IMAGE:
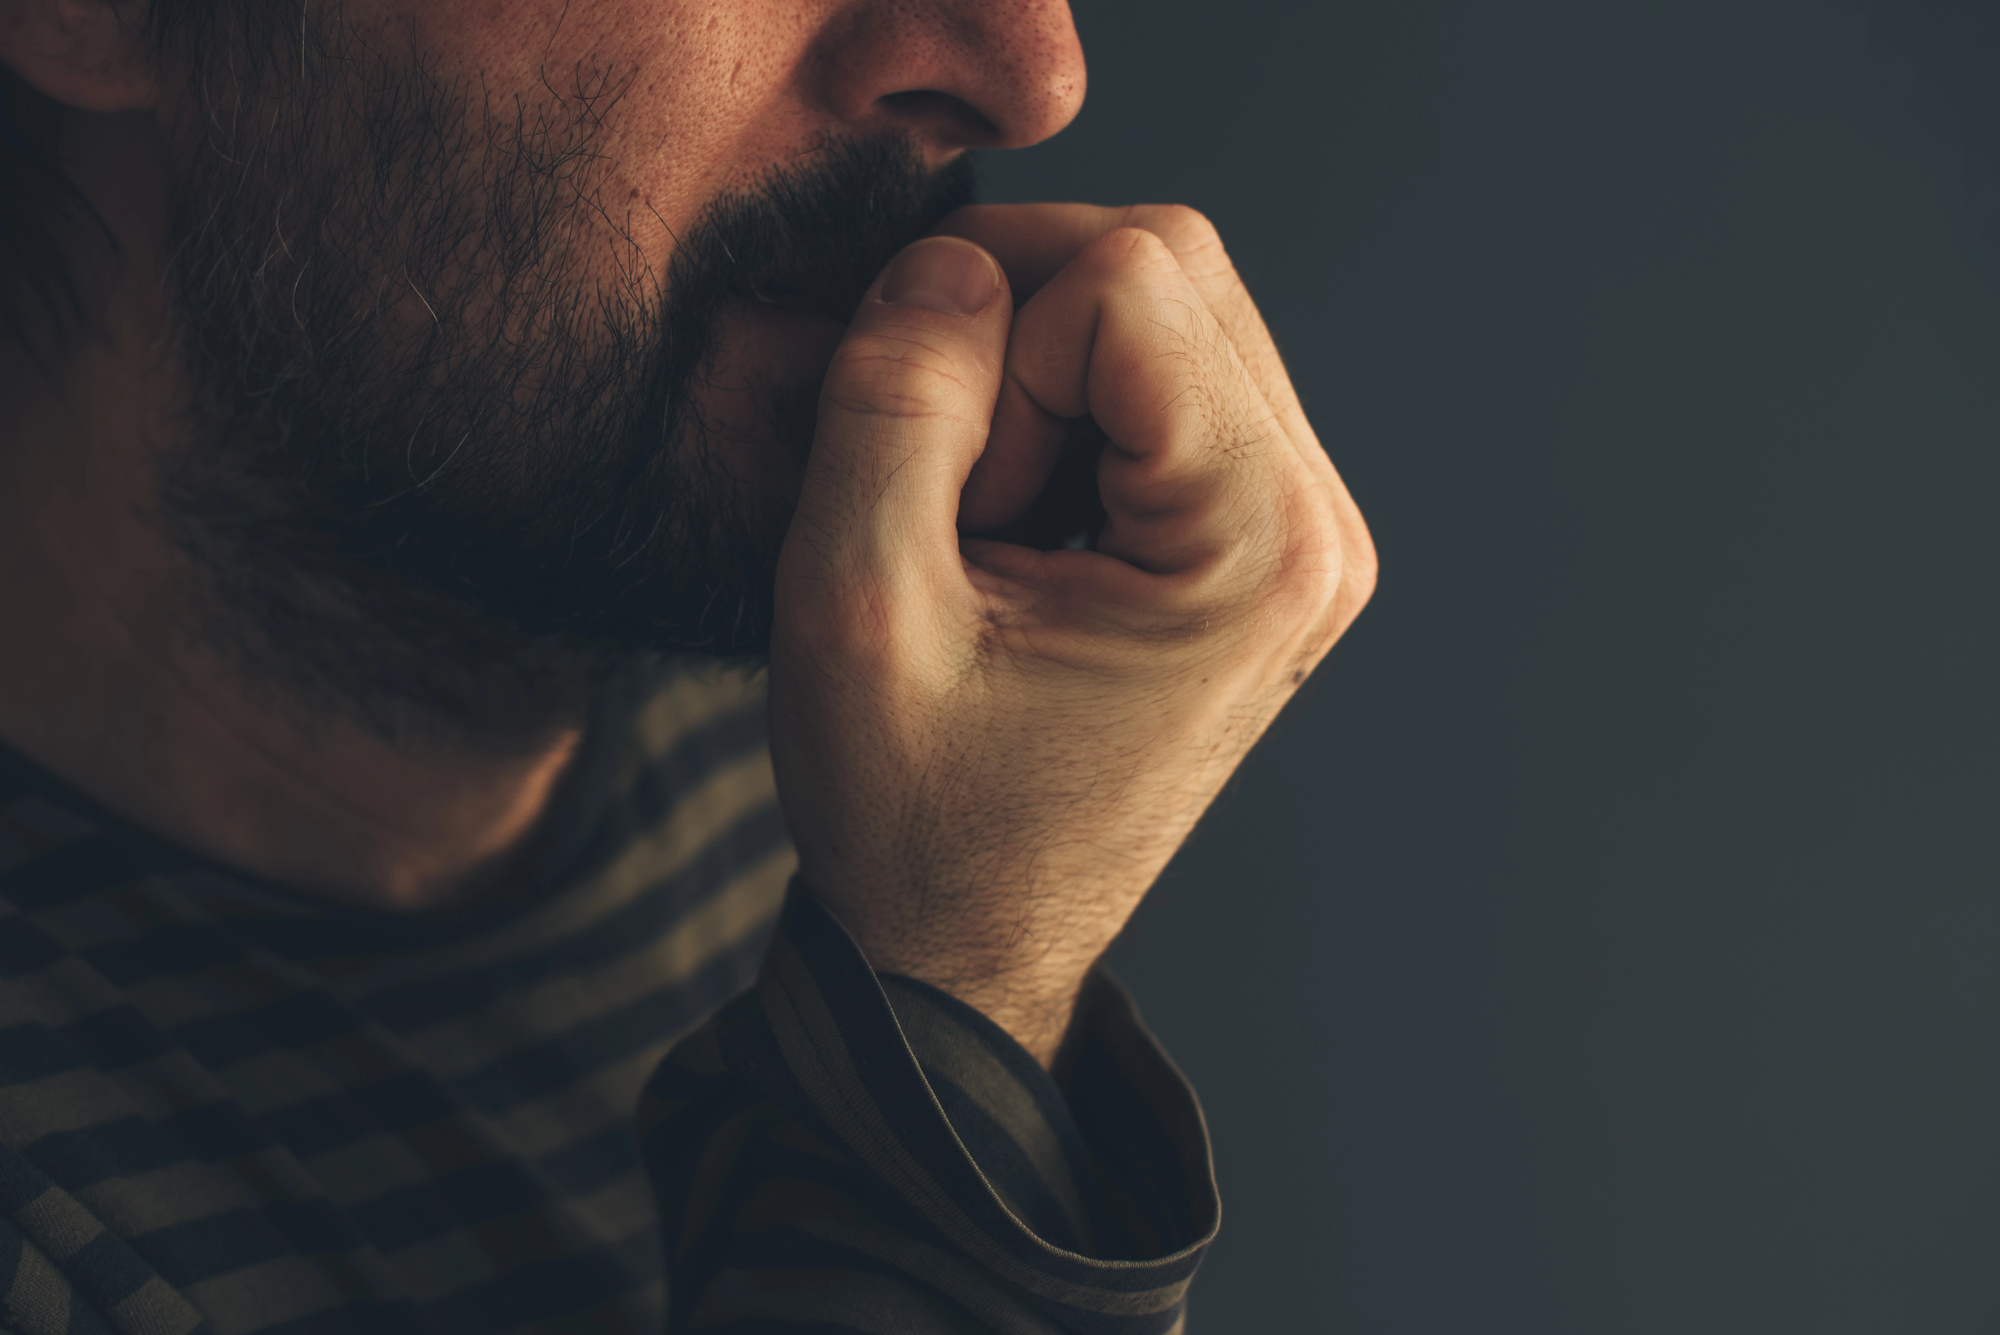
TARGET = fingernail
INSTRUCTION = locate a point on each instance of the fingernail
(941, 274)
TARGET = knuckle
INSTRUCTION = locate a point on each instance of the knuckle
(1135, 249)
(1176, 224)
(1310, 579)
(1318, 567)
(1360, 568)
(1187, 232)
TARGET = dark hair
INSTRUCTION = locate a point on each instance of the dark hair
(42, 287)
(38, 286)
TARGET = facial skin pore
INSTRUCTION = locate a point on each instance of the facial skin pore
(108, 679)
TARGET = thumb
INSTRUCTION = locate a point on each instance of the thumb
(904, 413)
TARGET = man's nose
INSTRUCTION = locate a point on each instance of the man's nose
(953, 74)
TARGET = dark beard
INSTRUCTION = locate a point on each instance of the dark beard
(454, 528)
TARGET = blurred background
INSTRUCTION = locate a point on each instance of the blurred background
(1609, 939)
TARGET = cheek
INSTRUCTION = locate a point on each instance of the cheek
(679, 100)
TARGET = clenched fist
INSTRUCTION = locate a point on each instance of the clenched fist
(988, 752)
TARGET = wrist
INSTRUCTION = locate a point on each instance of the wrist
(1035, 1008)
(1024, 980)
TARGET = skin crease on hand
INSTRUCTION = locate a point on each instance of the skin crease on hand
(986, 754)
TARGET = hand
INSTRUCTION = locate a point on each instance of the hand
(987, 753)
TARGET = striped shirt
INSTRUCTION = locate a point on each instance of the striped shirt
(650, 1085)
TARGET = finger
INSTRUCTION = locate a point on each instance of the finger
(1034, 241)
(904, 412)
(1120, 334)
(1020, 456)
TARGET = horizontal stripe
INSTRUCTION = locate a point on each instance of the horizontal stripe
(416, 1005)
(544, 1289)
(115, 913)
(166, 950)
(124, 1147)
(59, 1225)
(673, 796)
(68, 1101)
(399, 1100)
(473, 1194)
(282, 1290)
(216, 1131)
(25, 947)
(35, 1052)
(733, 922)
(112, 857)
(554, 1120)
(117, 1036)
(34, 826)
(387, 1162)
(690, 702)
(410, 948)
(143, 1202)
(437, 1267)
(603, 1040)
(201, 1249)
(298, 1020)
(593, 1162)
(156, 1309)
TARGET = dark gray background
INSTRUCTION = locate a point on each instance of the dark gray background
(1607, 941)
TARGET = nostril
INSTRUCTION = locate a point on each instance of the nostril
(927, 106)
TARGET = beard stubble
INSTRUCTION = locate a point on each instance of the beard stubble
(444, 471)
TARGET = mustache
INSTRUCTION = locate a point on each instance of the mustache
(813, 236)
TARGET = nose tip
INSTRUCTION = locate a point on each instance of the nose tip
(1037, 76)
(958, 74)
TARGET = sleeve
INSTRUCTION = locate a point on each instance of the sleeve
(841, 1151)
